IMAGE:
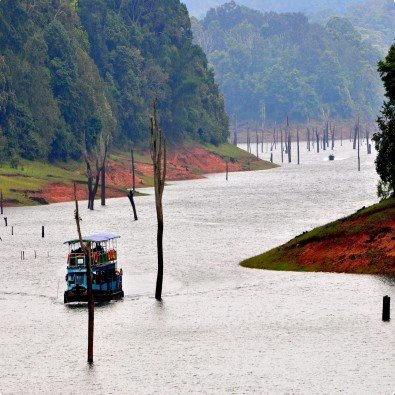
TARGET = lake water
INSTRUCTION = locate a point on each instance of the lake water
(220, 328)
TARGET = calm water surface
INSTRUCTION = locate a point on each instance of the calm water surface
(221, 328)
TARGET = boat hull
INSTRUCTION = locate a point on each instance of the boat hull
(80, 295)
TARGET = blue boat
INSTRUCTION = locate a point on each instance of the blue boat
(331, 157)
(106, 277)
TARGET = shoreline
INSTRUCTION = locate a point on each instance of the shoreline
(362, 243)
(36, 183)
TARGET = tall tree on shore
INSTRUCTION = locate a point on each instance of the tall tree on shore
(385, 139)
(158, 154)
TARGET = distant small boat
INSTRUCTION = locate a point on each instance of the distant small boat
(331, 157)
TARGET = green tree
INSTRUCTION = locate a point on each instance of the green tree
(385, 139)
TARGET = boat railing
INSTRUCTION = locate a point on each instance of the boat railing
(77, 259)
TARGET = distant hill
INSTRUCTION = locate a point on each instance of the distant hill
(375, 20)
(71, 69)
(290, 66)
(198, 8)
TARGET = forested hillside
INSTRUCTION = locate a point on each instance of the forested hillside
(290, 66)
(199, 8)
(71, 69)
(375, 20)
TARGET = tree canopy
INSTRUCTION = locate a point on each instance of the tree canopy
(70, 70)
(385, 139)
(291, 66)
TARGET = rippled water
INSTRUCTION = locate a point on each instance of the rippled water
(221, 328)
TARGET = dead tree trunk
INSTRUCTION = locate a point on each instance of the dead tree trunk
(86, 248)
(103, 186)
(158, 154)
(297, 141)
(257, 144)
(333, 137)
(132, 191)
(282, 147)
(1, 202)
(289, 147)
(368, 145)
(359, 158)
(317, 140)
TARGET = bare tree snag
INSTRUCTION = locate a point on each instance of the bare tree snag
(158, 154)
(95, 160)
(282, 148)
(257, 143)
(132, 191)
(297, 140)
(1, 202)
(317, 140)
(359, 158)
(86, 248)
(103, 185)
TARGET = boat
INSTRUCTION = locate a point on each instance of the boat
(106, 277)
(331, 157)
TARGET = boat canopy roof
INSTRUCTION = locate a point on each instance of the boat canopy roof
(97, 238)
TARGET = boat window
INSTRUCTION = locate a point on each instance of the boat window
(71, 278)
(80, 261)
(79, 279)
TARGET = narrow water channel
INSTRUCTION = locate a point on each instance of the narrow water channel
(221, 328)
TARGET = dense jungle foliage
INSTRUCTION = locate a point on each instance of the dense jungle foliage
(72, 69)
(289, 65)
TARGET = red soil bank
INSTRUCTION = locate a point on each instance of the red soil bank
(183, 164)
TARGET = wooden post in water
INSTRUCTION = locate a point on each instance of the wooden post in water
(86, 248)
(1, 202)
(289, 147)
(12, 231)
(227, 170)
(42, 232)
(386, 308)
(6, 221)
(317, 140)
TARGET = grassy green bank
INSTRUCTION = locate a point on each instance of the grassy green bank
(32, 183)
(361, 243)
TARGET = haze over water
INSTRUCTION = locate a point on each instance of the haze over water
(221, 328)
